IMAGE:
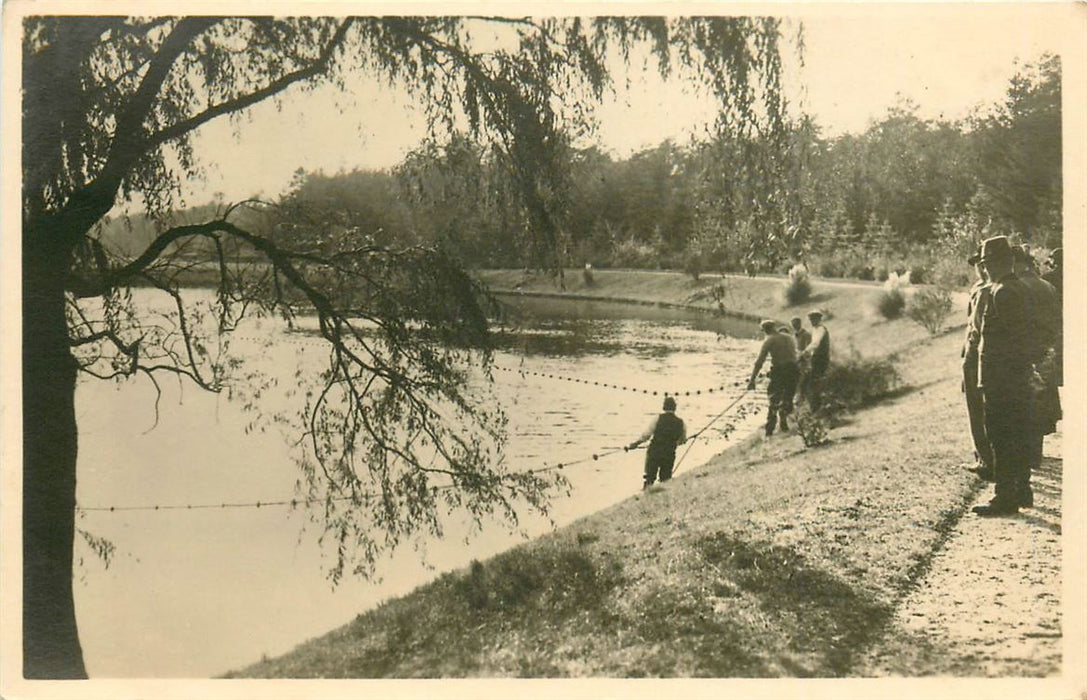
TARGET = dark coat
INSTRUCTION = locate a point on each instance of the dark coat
(1008, 345)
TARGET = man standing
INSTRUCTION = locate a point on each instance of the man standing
(666, 432)
(784, 374)
(819, 353)
(800, 334)
(975, 405)
(1046, 313)
(1006, 353)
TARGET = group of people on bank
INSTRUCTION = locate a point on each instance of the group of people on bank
(1012, 358)
(798, 362)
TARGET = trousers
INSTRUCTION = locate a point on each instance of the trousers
(975, 409)
(658, 462)
(1008, 418)
(780, 391)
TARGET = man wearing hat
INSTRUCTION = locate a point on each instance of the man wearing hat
(819, 353)
(784, 374)
(975, 405)
(664, 435)
(1046, 313)
(1006, 352)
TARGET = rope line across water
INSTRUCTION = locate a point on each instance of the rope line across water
(366, 498)
(607, 385)
(593, 457)
(313, 340)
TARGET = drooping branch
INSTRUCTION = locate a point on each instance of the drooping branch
(273, 88)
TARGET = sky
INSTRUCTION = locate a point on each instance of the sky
(859, 61)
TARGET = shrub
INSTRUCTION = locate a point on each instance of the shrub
(798, 286)
(631, 253)
(931, 307)
(858, 381)
(892, 300)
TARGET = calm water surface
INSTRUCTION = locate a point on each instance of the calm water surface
(195, 593)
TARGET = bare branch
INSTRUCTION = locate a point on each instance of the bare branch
(239, 103)
(158, 397)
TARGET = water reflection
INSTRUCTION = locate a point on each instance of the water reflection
(196, 593)
(576, 328)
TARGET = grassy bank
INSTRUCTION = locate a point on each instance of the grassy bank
(849, 305)
(770, 560)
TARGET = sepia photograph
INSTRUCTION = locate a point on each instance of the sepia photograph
(352, 346)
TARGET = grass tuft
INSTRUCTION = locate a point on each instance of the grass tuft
(820, 615)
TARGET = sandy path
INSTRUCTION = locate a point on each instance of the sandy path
(990, 604)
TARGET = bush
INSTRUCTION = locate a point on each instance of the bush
(858, 381)
(931, 307)
(631, 253)
(892, 300)
(798, 286)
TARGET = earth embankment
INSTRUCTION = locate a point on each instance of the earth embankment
(770, 560)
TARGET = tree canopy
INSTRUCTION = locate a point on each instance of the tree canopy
(109, 108)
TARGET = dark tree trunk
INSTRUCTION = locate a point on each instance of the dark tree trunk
(51, 646)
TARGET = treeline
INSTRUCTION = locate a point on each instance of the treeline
(907, 193)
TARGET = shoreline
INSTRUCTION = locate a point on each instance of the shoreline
(674, 574)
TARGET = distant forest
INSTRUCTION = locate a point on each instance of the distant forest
(906, 193)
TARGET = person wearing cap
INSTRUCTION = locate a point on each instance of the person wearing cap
(784, 374)
(1006, 353)
(800, 334)
(818, 353)
(665, 433)
(975, 404)
(1046, 313)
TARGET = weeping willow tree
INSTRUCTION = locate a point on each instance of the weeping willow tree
(394, 438)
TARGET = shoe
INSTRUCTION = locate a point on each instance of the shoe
(1026, 498)
(983, 472)
(996, 508)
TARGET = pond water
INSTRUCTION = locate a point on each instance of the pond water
(195, 593)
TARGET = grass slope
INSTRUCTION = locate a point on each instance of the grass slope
(770, 560)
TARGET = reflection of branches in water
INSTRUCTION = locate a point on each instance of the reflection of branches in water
(387, 434)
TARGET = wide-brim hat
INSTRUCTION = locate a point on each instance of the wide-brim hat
(996, 248)
(815, 313)
(767, 324)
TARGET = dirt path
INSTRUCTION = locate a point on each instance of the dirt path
(990, 604)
